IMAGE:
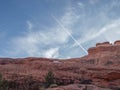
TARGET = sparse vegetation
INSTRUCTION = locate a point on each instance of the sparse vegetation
(49, 79)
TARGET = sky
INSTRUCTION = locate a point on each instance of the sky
(56, 28)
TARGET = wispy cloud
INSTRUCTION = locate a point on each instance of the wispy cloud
(67, 32)
(44, 43)
(100, 26)
(36, 43)
(75, 27)
(52, 53)
(106, 30)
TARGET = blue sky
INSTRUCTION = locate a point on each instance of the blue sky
(56, 28)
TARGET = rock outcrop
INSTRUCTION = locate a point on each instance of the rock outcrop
(103, 44)
(105, 48)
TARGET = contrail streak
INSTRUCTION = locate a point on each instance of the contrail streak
(69, 34)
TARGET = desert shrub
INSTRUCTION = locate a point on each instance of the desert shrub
(5, 84)
(49, 78)
(88, 81)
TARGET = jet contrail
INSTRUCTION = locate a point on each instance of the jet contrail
(69, 34)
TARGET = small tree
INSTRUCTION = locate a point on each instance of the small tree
(49, 78)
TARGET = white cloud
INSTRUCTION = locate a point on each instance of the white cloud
(67, 32)
(37, 42)
(69, 18)
(25, 44)
(32, 43)
(103, 27)
(51, 53)
(86, 26)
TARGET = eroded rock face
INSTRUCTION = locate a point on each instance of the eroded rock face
(105, 48)
(100, 67)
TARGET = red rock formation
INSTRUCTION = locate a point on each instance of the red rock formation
(101, 66)
(105, 48)
(117, 42)
(103, 44)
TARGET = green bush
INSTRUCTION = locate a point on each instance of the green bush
(49, 78)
